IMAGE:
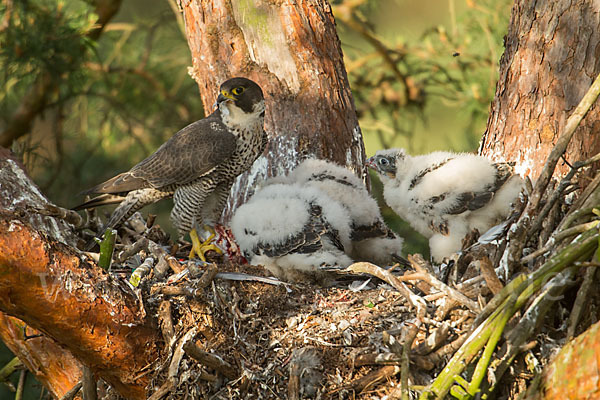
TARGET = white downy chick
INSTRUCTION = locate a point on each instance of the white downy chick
(293, 230)
(372, 240)
(444, 195)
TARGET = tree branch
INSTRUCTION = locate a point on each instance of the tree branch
(47, 285)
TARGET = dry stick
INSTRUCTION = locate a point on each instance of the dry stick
(566, 181)
(433, 341)
(582, 294)
(415, 301)
(417, 263)
(139, 245)
(173, 372)
(21, 385)
(90, 390)
(70, 395)
(372, 378)
(165, 322)
(413, 329)
(211, 361)
(489, 274)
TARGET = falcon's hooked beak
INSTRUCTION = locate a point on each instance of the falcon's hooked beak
(224, 96)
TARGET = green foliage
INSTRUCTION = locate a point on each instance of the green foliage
(422, 91)
(44, 36)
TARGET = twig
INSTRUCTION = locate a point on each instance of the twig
(173, 371)
(582, 295)
(510, 299)
(372, 378)
(70, 395)
(211, 361)
(165, 322)
(367, 268)
(556, 193)
(138, 246)
(417, 263)
(21, 385)
(433, 341)
(90, 390)
(9, 368)
(489, 274)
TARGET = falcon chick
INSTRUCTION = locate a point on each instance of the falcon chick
(444, 195)
(292, 230)
(372, 240)
(196, 166)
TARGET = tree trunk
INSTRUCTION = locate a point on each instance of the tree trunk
(552, 56)
(291, 49)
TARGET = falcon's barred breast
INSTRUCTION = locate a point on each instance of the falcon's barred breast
(197, 166)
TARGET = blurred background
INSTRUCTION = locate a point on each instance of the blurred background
(422, 73)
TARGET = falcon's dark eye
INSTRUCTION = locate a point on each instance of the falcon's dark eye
(238, 90)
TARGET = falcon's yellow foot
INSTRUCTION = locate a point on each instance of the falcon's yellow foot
(200, 248)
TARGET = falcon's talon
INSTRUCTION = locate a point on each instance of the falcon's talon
(200, 248)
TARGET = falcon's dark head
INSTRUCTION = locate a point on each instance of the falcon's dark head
(243, 93)
(385, 162)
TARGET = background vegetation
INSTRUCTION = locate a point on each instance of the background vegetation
(422, 73)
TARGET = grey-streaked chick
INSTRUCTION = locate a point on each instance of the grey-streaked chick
(293, 230)
(372, 240)
(444, 195)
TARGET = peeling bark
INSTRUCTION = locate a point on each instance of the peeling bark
(51, 364)
(552, 56)
(292, 50)
(574, 372)
(97, 318)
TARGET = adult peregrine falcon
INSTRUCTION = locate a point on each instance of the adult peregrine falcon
(196, 166)
(445, 195)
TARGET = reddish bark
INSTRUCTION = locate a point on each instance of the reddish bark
(47, 285)
(52, 365)
(551, 58)
(574, 373)
(292, 50)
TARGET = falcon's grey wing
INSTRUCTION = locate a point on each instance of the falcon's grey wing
(192, 152)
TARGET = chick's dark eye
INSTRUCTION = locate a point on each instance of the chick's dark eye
(384, 161)
(238, 90)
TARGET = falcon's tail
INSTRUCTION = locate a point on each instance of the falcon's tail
(102, 200)
(134, 201)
